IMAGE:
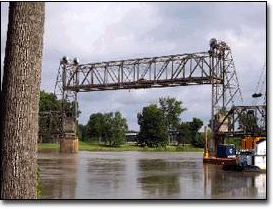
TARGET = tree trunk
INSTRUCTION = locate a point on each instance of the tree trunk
(20, 100)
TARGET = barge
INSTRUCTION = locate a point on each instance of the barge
(249, 160)
(219, 161)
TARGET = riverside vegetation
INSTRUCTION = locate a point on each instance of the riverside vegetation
(159, 123)
(92, 146)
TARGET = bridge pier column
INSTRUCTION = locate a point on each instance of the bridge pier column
(69, 144)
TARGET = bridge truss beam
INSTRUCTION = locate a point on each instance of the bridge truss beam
(173, 70)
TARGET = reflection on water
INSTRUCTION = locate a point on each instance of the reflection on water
(138, 175)
(58, 175)
(158, 178)
(224, 184)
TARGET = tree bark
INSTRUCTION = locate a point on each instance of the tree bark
(20, 100)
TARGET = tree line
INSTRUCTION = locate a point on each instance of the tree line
(158, 123)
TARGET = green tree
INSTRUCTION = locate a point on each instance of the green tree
(49, 102)
(82, 132)
(194, 126)
(188, 133)
(109, 128)
(153, 127)
(184, 134)
(95, 125)
(119, 128)
(198, 140)
(172, 110)
(114, 129)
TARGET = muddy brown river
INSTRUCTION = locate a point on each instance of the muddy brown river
(143, 175)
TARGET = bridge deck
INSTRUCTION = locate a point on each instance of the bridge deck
(144, 84)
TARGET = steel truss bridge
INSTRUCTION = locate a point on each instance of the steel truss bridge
(214, 67)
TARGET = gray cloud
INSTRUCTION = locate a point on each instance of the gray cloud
(111, 31)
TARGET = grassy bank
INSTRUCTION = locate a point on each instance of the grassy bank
(89, 146)
(48, 146)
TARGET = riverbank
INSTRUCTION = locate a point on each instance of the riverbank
(90, 146)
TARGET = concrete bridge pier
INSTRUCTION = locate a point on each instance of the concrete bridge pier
(69, 143)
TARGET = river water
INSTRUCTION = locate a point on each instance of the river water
(142, 175)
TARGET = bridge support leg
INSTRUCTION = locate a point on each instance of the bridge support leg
(69, 144)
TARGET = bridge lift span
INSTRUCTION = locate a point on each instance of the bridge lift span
(214, 67)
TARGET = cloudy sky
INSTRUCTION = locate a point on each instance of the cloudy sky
(112, 31)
